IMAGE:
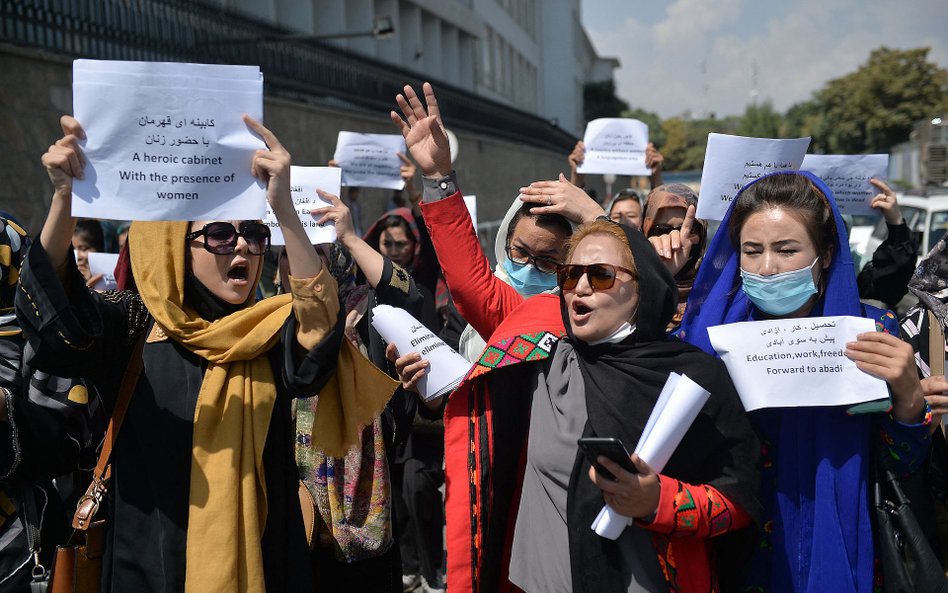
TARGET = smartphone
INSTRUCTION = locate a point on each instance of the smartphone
(610, 448)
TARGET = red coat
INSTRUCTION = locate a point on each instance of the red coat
(484, 473)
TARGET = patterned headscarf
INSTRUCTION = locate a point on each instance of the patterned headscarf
(930, 281)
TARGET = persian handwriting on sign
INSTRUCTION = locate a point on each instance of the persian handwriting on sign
(370, 160)
(167, 141)
(847, 176)
(615, 145)
(731, 162)
(304, 181)
(796, 363)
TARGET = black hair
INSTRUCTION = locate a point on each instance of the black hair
(90, 230)
(556, 223)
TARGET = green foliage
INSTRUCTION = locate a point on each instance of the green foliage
(869, 110)
(652, 120)
(600, 100)
(760, 121)
(875, 107)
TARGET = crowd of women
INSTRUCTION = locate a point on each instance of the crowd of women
(277, 444)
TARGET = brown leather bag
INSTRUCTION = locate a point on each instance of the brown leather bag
(77, 567)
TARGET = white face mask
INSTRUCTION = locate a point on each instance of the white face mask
(780, 294)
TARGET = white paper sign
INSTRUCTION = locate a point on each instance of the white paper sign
(678, 405)
(304, 181)
(471, 203)
(786, 363)
(447, 368)
(615, 145)
(848, 177)
(370, 160)
(103, 263)
(731, 162)
(167, 142)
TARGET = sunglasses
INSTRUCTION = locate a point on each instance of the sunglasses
(660, 229)
(521, 258)
(220, 238)
(600, 276)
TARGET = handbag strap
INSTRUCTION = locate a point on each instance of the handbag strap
(936, 345)
(95, 494)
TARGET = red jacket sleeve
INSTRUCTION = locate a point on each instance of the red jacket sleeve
(481, 298)
(694, 511)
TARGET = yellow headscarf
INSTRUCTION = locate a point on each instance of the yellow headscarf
(228, 506)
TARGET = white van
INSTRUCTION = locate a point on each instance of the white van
(926, 217)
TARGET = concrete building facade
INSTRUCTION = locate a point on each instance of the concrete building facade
(531, 55)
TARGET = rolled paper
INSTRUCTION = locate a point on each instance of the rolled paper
(448, 368)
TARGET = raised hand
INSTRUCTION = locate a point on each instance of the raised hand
(653, 158)
(273, 167)
(675, 248)
(561, 197)
(64, 159)
(886, 202)
(423, 131)
(338, 213)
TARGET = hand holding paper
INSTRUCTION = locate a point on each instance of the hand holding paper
(304, 184)
(677, 407)
(447, 367)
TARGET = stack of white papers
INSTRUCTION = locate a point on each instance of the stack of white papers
(304, 181)
(677, 407)
(370, 160)
(165, 141)
(448, 368)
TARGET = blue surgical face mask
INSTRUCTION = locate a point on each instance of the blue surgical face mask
(780, 294)
(527, 280)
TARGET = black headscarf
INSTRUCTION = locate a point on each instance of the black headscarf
(622, 383)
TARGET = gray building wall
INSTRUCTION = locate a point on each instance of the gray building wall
(35, 89)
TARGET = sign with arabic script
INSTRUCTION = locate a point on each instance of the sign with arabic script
(166, 141)
(788, 363)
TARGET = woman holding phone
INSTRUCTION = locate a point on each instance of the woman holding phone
(589, 362)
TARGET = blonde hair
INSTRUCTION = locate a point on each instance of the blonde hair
(602, 227)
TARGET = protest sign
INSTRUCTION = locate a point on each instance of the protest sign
(370, 160)
(848, 177)
(304, 181)
(786, 363)
(674, 412)
(167, 142)
(447, 368)
(103, 263)
(615, 145)
(731, 162)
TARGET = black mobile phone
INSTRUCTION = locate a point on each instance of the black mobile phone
(610, 448)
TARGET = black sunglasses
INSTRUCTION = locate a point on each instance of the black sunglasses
(660, 229)
(521, 258)
(600, 276)
(220, 238)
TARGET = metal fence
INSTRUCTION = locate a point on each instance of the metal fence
(303, 70)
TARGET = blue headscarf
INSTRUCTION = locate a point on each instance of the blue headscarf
(816, 494)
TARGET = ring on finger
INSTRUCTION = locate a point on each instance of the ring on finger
(549, 200)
